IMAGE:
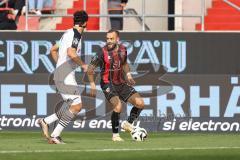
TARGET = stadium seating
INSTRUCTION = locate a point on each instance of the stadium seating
(92, 7)
(50, 9)
(222, 16)
(33, 22)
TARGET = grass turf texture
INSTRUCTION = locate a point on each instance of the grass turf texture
(98, 146)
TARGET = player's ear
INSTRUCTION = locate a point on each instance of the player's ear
(118, 39)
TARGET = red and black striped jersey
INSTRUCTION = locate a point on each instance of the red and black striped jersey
(111, 64)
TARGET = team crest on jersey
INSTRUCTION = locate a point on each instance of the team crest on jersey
(75, 41)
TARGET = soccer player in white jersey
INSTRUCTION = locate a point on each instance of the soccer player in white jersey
(67, 57)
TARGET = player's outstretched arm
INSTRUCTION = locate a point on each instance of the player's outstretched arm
(95, 62)
(71, 52)
(54, 52)
(90, 74)
(126, 70)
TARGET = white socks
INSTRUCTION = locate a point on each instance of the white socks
(116, 135)
(57, 131)
(66, 118)
(50, 119)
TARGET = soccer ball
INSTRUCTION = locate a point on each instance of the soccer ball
(139, 134)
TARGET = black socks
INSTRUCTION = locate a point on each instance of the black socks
(115, 121)
(134, 114)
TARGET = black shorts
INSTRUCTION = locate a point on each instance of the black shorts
(123, 91)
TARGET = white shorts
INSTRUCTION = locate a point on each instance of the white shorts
(75, 99)
(70, 90)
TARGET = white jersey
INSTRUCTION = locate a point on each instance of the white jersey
(71, 38)
(64, 75)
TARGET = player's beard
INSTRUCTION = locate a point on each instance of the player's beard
(111, 46)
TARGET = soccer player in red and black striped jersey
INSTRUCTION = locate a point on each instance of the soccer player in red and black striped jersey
(112, 60)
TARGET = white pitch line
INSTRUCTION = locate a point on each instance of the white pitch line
(116, 150)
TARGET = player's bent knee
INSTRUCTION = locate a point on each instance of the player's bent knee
(118, 109)
(140, 104)
(76, 108)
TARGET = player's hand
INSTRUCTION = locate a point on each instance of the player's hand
(85, 67)
(130, 80)
(93, 89)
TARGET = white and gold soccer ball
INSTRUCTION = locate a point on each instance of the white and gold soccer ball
(139, 134)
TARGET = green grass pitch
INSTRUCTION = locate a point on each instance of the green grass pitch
(98, 146)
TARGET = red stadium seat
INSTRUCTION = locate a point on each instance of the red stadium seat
(33, 23)
(222, 16)
(92, 7)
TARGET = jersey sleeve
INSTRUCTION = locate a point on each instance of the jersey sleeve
(72, 39)
(76, 39)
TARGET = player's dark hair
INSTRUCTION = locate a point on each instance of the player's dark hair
(80, 17)
(114, 31)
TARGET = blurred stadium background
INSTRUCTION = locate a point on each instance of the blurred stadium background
(192, 110)
(177, 15)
